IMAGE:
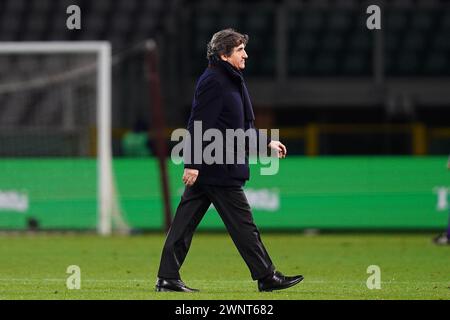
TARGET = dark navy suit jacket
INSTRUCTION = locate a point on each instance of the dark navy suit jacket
(221, 101)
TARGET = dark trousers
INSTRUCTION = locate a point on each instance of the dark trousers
(236, 214)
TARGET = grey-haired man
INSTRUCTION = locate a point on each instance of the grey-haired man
(221, 102)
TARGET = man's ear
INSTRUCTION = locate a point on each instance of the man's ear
(223, 57)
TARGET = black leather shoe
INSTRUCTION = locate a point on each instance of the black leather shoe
(172, 285)
(278, 281)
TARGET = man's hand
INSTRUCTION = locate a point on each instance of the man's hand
(189, 176)
(278, 146)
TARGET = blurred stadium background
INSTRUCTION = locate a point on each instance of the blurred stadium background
(365, 114)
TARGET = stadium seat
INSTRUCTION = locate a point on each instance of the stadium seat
(257, 21)
(422, 20)
(95, 24)
(325, 64)
(427, 3)
(41, 6)
(127, 7)
(120, 23)
(304, 42)
(355, 63)
(15, 7)
(205, 23)
(230, 20)
(445, 21)
(144, 23)
(402, 3)
(332, 42)
(154, 6)
(320, 3)
(38, 24)
(10, 23)
(437, 63)
(361, 41)
(440, 41)
(407, 63)
(339, 20)
(100, 6)
(413, 41)
(314, 28)
(312, 21)
(396, 20)
(391, 42)
(299, 65)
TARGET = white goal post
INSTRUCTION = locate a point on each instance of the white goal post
(106, 191)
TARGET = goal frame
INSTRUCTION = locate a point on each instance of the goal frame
(106, 191)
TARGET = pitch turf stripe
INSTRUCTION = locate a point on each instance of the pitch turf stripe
(206, 281)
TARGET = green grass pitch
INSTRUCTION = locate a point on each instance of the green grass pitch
(119, 267)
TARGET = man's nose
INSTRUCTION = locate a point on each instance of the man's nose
(245, 56)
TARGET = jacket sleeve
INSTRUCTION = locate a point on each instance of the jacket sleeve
(206, 108)
(259, 141)
(260, 136)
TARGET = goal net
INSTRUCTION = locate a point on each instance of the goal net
(55, 137)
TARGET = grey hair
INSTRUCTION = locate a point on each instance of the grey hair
(223, 42)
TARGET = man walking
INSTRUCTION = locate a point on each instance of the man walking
(221, 102)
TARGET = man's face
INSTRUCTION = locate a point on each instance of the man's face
(237, 57)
